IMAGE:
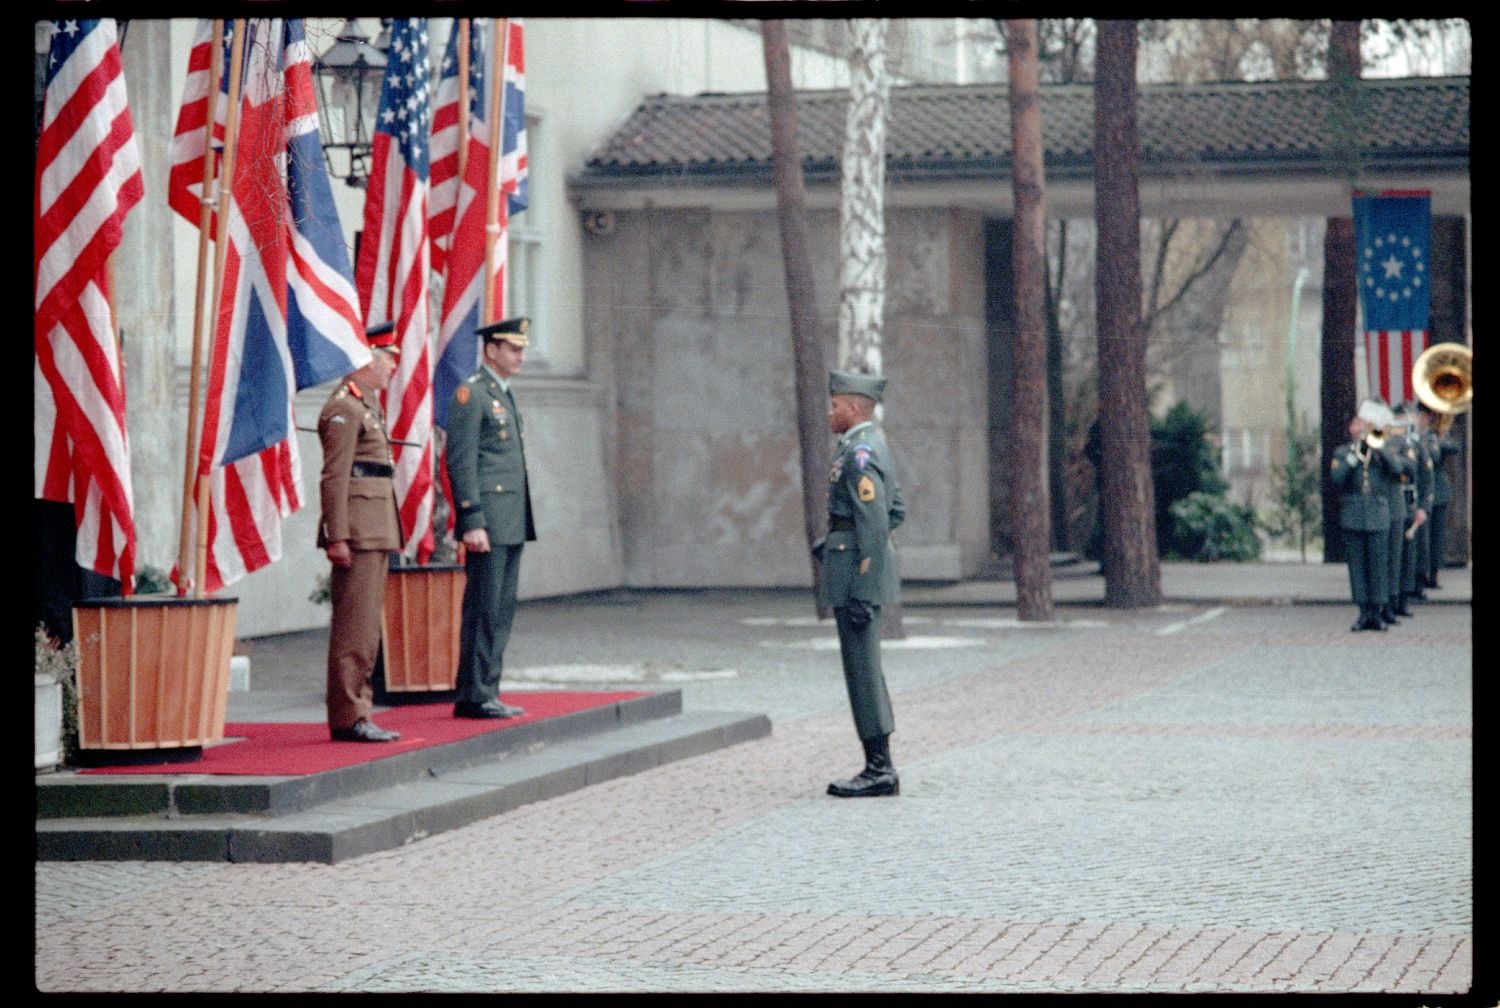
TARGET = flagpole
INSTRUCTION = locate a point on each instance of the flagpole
(497, 132)
(226, 186)
(462, 27)
(205, 210)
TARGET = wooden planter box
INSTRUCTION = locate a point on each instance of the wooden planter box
(153, 676)
(420, 628)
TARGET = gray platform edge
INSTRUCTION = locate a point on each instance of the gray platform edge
(75, 796)
(448, 795)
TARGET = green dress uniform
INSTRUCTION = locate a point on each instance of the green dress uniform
(1414, 557)
(1362, 475)
(486, 459)
(859, 574)
(359, 505)
(1440, 449)
(1402, 506)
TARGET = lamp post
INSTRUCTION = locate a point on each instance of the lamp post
(349, 74)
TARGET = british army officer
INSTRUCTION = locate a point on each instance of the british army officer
(859, 568)
(492, 504)
(359, 529)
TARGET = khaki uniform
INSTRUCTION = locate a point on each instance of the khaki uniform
(486, 459)
(359, 505)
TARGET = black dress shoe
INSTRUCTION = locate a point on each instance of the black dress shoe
(363, 731)
(1388, 616)
(487, 709)
(1402, 609)
(869, 784)
(1417, 596)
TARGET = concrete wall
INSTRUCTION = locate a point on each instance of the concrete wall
(691, 306)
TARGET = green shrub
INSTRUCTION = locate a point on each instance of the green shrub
(1209, 527)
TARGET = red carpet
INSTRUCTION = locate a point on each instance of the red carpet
(282, 749)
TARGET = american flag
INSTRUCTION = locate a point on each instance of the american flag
(88, 177)
(393, 267)
(1392, 237)
(459, 212)
(287, 315)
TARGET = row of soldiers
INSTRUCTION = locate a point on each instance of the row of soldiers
(1394, 497)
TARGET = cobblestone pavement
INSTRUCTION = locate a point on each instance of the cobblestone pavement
(1187, 799)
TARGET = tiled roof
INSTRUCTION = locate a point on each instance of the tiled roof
(963, 131)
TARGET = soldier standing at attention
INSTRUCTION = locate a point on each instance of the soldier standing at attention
(1361, 474)
(859, 568)
(492, 504)
(360, 527)
(1414, 552)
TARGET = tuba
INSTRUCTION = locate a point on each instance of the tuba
(1443, 377)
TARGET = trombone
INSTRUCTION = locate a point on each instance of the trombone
(1443, 377)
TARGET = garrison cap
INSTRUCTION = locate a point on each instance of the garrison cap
(511, 330)
(856, 383)
(383, 337)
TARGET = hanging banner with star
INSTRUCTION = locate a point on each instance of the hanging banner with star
(1393, 247)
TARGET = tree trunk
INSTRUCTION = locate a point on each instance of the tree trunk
(807, 349)
(1132, 571)
(1029, 499)
(1337, 394)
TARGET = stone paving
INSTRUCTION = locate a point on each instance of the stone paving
(1188, 799)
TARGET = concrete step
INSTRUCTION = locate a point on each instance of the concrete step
(341, 814)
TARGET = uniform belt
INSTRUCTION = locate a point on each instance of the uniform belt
(838, 523)
(370, 469)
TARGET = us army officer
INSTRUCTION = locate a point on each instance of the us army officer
(492, 502)
(359, 528)
(859, 568)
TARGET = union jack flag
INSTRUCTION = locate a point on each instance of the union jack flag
(458, 213)
(88, 177)
(287, 315)
(1392, 236)
(393, 267)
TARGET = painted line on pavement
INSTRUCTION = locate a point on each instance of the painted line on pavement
(1184, 624)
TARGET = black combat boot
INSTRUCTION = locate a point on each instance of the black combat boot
(877, 778)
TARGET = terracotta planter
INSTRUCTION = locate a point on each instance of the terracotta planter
(420, 627)
(153, 676)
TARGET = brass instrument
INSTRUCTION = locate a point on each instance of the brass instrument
(1443, 377)
(1375, 438)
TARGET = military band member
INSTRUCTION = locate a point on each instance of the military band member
(859, 571)
(1440, 448)
(1361, 474)
(1400, 513)
(360, 527)
(1418, 531)
(486, 460)
(1403, 545)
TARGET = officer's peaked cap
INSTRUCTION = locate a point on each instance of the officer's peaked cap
(511, 330)
(383, 337)
(856, 383)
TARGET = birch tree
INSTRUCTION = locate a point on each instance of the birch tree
(862, 219)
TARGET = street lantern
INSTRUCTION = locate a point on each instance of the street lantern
(350, 74)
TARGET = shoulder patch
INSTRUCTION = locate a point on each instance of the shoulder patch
(461, 394)
(862, 455)
(866, 489)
